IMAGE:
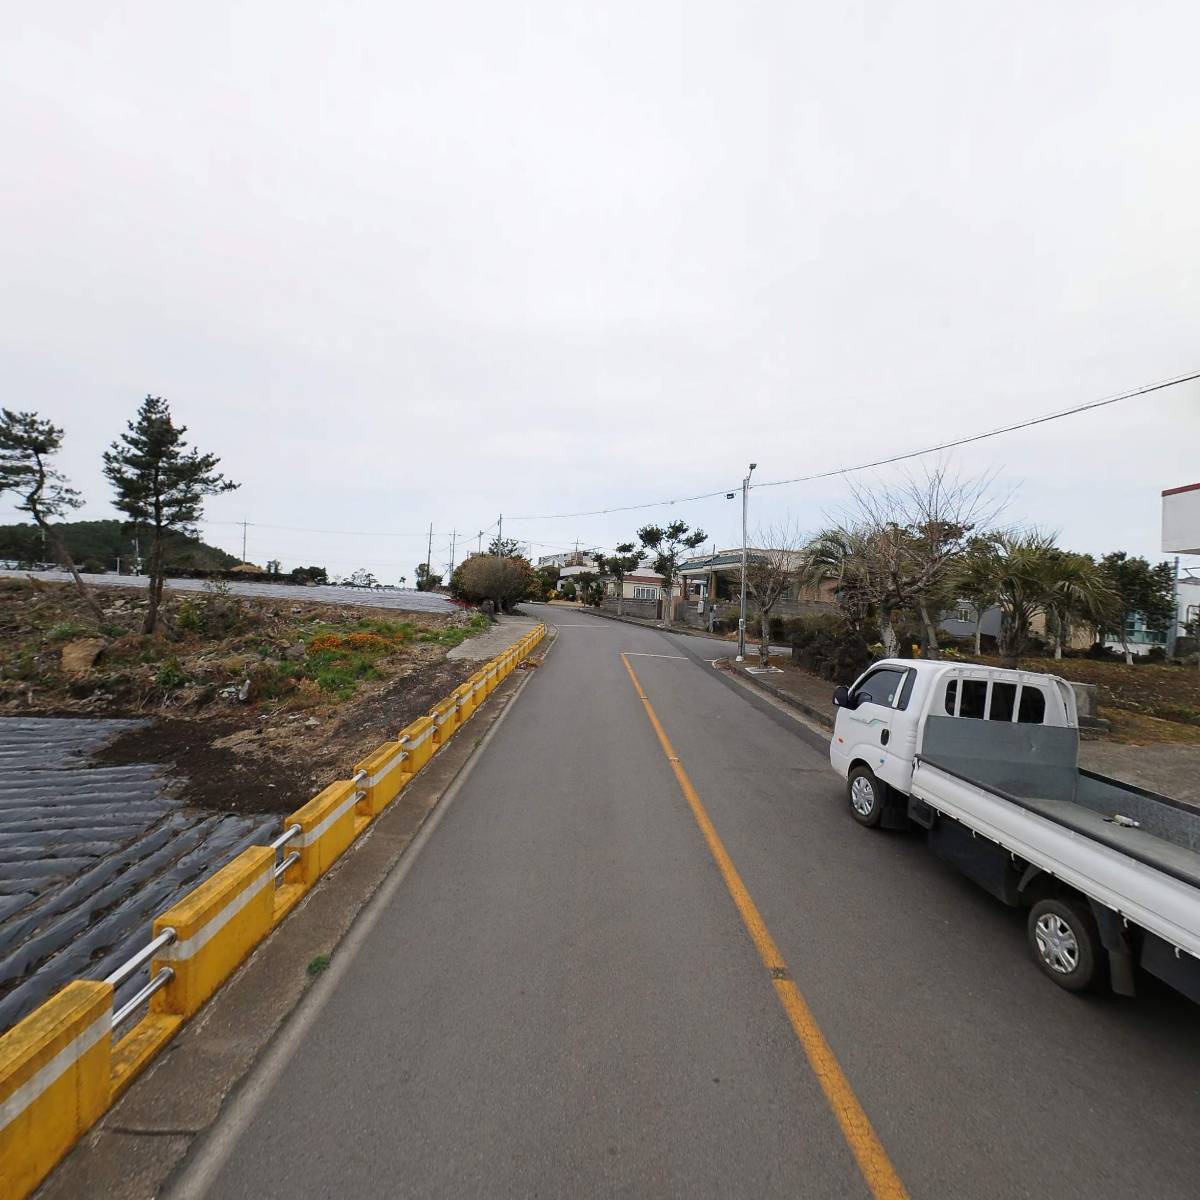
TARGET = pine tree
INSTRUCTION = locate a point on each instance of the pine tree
(26, 443)
(161, 484)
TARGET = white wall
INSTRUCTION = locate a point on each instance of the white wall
(1181, 521)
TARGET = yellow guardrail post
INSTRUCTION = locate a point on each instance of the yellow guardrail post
(55, 1080)
(420, 742)
(444, 716)
(387, 773)
(216, 925)
(326, 829)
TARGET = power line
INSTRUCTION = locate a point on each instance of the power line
(948, 445)
(979, 437)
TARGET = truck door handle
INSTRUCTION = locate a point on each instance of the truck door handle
(883, 737)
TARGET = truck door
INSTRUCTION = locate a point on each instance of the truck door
(871, 724)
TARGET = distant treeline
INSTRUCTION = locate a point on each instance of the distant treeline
(96, 545)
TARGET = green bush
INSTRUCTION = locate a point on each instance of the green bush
(170, 674)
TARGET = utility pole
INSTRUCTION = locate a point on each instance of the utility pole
(741, 654)
(499, 535)
(1173, 628)
(244, 523)
(453, 536)
(479, 544)
(428, 554)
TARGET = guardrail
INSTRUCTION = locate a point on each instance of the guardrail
(64, 1065)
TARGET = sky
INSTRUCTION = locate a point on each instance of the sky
(407, 264)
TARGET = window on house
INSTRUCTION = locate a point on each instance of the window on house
(1032, 709)
(641, 592)
(1004, 701)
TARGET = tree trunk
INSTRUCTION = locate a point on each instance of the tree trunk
(1059, 628)
(621, 596)
(931, 642)
(155, 590)
(887, 635)
(64, 557)
(764, 650)
(978, 632)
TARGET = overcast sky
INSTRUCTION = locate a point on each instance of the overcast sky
(403, 263)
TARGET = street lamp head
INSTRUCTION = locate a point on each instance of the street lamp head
(753, 466)
(730, 495)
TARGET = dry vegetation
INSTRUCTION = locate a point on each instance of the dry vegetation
(258, 702)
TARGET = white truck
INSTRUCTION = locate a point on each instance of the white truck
(985, 761)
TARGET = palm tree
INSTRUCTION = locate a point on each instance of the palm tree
(848, 557)
(1032, 576)
(1076, 591)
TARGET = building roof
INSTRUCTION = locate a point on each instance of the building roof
(726, 558)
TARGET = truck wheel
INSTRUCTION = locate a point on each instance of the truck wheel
(1065, 942)
(866, 796)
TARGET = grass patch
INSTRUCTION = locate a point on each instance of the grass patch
(317, 965)
(455, 635)
(66, 630)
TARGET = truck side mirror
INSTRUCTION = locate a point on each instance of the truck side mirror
(841, 698)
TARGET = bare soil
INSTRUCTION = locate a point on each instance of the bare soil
(276, 761)
(258, 704)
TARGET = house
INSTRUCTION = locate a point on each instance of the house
(640, 592)
(715, 580)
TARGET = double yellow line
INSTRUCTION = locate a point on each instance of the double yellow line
(864, 1143)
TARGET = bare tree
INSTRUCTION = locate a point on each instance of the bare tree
(772, 567)
(898, 547)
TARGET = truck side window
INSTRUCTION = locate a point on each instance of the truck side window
(951, 696)
(880, 687)
(974, 698)
(1004, 700)
(1032, 710)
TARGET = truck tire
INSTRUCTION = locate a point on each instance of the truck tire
(1065, 942)
(866, 795)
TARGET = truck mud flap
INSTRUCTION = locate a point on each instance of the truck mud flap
(1173, 967)
(919, 813)
(977, 858)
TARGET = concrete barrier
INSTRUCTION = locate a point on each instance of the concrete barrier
(326, 829)
(445, 721)
(59, 1067)
(418, 741)
(216, 926)
(388, 772)
(55, 1080)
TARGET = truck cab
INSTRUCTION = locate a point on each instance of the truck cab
(880, 719)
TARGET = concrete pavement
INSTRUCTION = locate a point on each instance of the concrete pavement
(560, 997)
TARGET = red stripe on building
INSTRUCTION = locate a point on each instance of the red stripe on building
(1191, 487)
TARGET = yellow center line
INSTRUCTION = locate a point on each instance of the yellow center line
(864, 1143)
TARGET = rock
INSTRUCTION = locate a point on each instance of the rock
(81, 655)
(245, 691)
(294, 653)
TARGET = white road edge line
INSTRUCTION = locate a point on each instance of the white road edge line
(200, 1166)
(646, 654)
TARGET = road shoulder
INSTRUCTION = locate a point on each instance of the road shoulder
(143, 1139)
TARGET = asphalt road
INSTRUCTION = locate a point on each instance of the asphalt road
(560, 997)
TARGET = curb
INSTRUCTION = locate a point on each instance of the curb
(63, 1066)
(809, 710)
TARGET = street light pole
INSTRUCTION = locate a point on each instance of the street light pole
(741, 654)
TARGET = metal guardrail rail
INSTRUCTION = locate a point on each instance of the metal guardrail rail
(132, 964)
